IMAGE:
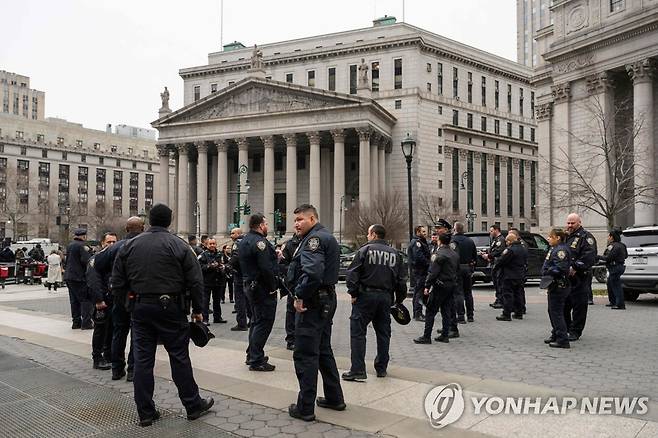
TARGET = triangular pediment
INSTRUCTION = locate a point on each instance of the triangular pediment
(255, 96)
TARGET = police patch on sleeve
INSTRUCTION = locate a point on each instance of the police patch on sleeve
(498, 243)
(433, 258)
(313, 243)
(505, 251)
(261, 245)
(590, 240)
(234, 247)
(92, 262)
(453, 245)
(609, 248)
(561, 254)
(418, 244)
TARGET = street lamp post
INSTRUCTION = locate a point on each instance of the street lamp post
(340, 220)
(197, 217)
(408, 144)
(241, 208)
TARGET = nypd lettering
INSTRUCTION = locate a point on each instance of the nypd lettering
(384, 258)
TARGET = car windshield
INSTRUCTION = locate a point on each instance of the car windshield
(638, 239)
(481, 240)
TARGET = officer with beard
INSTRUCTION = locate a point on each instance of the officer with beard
(419, 260)
(211, 267)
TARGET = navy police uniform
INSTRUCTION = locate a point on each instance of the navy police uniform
(242, 305)
(77, 257)
(258, 263)
(582, 248)
(419, 261)
(495, 251)
(556, 265)
(442, 281)
(467, 258)
(101, 339)
(374, 276)
(615, 258)
(211, 267)
(158, 269)
(512, 264)
(314, 274)
(287, 251)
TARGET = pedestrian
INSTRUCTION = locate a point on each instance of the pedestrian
(204, 242)
(259, 265)
(582, 249)
(242, 306)
(434, 243)
(314, 274)
(77, 256)
(615, 258)
(419, 261)
(496, 249)
(439, 290)
(227, 275)
(192, 241)
(287, 251)
(467, 259)
(376, 279)
(211, 267)
(556, 272)
(101, 298)
(37, 253)
(512, 264)
(54, 270)
(154, 270)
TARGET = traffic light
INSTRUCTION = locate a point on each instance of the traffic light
(247, 209)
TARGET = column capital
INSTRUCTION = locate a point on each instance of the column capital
(383, 141)
(544, 111)
(561, 92)
(291, 139)
(243, 143)
(201, 147)
(268, 141)
(221, 144)
(502, 161)
(599, 83)
(527, 164)
(477, 156)
(338, 135)
(182, 148)
(641, 71)
(490, 159)
(516, 162)
(163, 150)
(447, 151)
(313, 137)
(463, 154)
(364, 133)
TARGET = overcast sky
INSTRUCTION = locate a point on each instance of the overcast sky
(106, 61)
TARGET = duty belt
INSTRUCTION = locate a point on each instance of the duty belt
(376, 290)
(154, 299)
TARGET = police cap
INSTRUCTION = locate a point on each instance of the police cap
(80, 232)
(400, 314)
(442, 223)
(200, 334)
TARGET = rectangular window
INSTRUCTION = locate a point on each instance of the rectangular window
(520, 132)
(429, 87)
(455, 180)
(440, 166)
(455, 117)
(532, 134)
(398, 104)
(439, 149)
(197, 92)
(397, 74)
(496, 94)
(439, 78)
(289, 78)
(533, 189)
(213, 88)
(440, 184)
(440, 109)
(353, 79)
(470, 87)
(509, 98)
(44, 153)
(331, 79)
(133, 193)
(483, 184)
(522, 188)
(375, 76)
(496, 126)
(484, 91)
(521, 101)
(148, 191)
(532, 104)
(78, 143)
(310, 78)
(510, 189)
(509, 129)
(616, 5)
(483, 124)
(497, 185)
(23, 150)
(469, 121)
(455, 83)
(440, 132)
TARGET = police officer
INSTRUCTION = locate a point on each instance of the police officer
(439, 290)
(467, 259)
(582, 248)
(525, 277)
(443, 227)
(496, 249)
(314, 274)
(615, 258)
(211, 267)
(242, 307)
(77, 257)
(419, 261)
(287, 251)
(556, 266)
(375, 275)
(512, 264)
(258, 262)
(155, 270)
(192, 240)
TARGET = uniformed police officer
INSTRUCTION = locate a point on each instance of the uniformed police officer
(582, 248)
(242, 307)
(439, 290)
(258, 262)
(556, 266)
(314, 274)
(443, 227)
(495, 251)
(77, 257)
(374, 279)
(512, 264)
(467, 258)
(419, 261)
(192, 240)
(155, 270)
(525, 277)
(211, 267)
(287, 251)
(615, 258)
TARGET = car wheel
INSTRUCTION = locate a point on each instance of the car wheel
(631, 295)
(601, 274)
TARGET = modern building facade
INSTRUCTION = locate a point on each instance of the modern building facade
(599, 66)
(19, 99)
(320, 120)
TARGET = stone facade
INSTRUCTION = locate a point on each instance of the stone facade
(19, 99)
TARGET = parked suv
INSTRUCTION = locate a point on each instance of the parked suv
(537, 250)
(641, 275)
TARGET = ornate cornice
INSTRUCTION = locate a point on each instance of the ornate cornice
(574, 63)
(463, 154)
(163, 150)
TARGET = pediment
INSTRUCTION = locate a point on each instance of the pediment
(255, 97)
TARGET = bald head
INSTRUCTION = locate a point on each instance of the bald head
(573, 222)
(135, 224)
(235, 233)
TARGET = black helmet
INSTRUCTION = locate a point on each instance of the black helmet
(400, 314)
(200, 334)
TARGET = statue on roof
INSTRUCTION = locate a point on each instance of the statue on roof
(363, 75)
(165, 98)
(257, 59)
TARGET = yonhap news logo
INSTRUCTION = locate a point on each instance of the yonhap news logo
(444, 405)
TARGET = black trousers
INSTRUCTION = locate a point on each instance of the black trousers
(313, 353)
(262, 321)
(81, 305)
(512, 296)
(575, 309)
(150, 324)
(370, 307)
(556, 300)
(101, 339)
(498, 284)
(225, 283)
(440, 299)
(120, 329)
(290, 320)
(212, 290)
(419, 287)
(466, 298)
(242, 306)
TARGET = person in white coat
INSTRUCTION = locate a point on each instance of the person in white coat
(54, 270)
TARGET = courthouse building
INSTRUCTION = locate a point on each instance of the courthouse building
(320, 120)
(598, 63)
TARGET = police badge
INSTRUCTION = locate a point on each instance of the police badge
(313, 243)
(505, 251)
(261, 245)
(433, 258)
(590, 240)
(453, 245)
(418, 244)
(561, 254)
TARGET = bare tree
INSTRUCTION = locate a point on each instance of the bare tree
(387, 210)
(602, 172)
(432, 208)
(13, 188)
(104, 220)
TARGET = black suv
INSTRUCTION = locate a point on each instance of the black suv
(537, 250)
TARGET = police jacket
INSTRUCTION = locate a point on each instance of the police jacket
(287, 251)
(104, 261)
(77, 257)
(444, 267)
(377, 267)
(234, 260)
(7, 255)
(258, 261)
(466, 249)
(496, 249)
(582, 248)
(212, 274)
(419, 254)
(315, 263)
(615, 254)
(513, 261)
(98, 286)
(157, 263)
(557, 262)
(198, 250)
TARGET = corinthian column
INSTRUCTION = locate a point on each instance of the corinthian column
(374, 166)
(163, 153)
(268, 179)
(183, 189)
(202, 185)
(381, 164)
(222, 187)
(291, 180)
(339, 176)
(364, 165)
(314, 170)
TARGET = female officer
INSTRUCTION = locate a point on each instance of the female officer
(614, 256)
(555, 272)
